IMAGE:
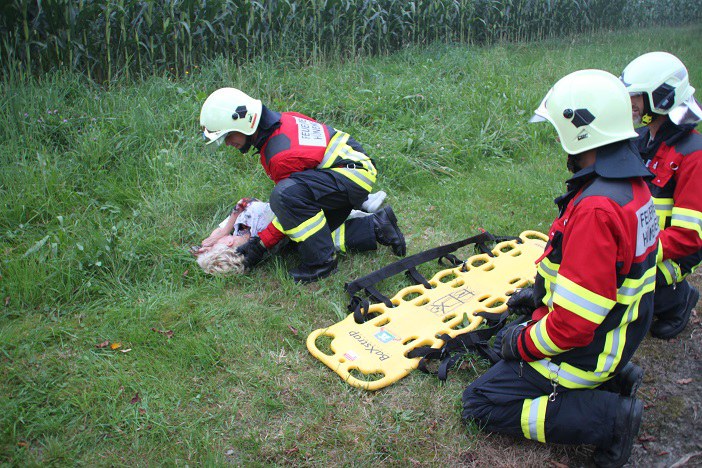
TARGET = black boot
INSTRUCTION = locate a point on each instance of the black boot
(626, 382)
(310, 273)
(666, 328)
(387, 232)
(626, 427)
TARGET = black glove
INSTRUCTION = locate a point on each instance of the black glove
(253, 251)
(499, 336)
(522, 302)
(513, 331)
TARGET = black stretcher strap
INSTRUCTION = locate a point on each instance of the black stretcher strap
(455, 348)
(367, 283)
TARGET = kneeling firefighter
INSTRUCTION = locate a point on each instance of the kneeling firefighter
(320, 173)
(663, 100)
(592, 300)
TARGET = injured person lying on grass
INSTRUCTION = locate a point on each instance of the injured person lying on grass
(219, 253)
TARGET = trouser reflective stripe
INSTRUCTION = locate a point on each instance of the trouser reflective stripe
(533, 418)
(304, 230)
(310, 204)
(339, 237)
(503, 401)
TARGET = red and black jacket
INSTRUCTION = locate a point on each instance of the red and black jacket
(596, 278)
(674, 156)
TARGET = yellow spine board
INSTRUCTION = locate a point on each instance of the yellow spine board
(372, 355)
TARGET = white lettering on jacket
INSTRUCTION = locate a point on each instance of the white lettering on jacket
(310, 133)
(647, 231)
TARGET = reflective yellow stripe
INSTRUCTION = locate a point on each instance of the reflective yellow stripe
(305, 229)
(688, 219)
(671, 271)
(339, 237)
(633, 288)
(614, 341)
(542, 341)
(338, 149)
(569, 376)
(664, 209)
(533, 418)
(337, 142)
(359, 176)
(580, 301)
(549, 272)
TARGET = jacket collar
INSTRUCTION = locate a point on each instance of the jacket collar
(270, 121)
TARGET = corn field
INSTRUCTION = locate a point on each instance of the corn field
(123, 38)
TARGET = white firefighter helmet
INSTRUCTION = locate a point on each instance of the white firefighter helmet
(589, 108)
(229, 110)
(662, 78)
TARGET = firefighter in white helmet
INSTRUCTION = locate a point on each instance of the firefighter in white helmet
(663, 101)
(320, 175)
(592, 299)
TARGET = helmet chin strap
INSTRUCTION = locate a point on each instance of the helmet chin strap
(648, 115)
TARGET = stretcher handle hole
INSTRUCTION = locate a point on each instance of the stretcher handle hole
(370, 377)
(323, 344)
(382, 322)
(449, 277)
(411, 295)
(448, 317)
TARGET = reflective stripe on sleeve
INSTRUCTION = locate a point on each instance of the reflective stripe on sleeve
(688, 219)
(581, 301)
(542, 341)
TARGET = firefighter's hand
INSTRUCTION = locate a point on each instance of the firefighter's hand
(522, 302)
(253, 252)
(510, 351)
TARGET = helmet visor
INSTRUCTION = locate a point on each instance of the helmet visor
(214, 137)
(540, 114)
(686, 113)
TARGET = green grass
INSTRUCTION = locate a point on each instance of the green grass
(103, 190)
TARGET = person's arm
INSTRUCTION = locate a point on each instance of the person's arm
(224, 229)
(270, 236)
(684, 236)
(586, 287)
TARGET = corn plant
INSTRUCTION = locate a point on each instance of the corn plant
(106, 39)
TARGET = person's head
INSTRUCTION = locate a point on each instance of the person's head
(658, 84)
(230, 116)
(222, 260)
(589, 109)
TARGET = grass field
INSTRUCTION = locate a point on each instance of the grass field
(103, 191)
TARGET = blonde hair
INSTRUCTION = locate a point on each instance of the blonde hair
(222, 260)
